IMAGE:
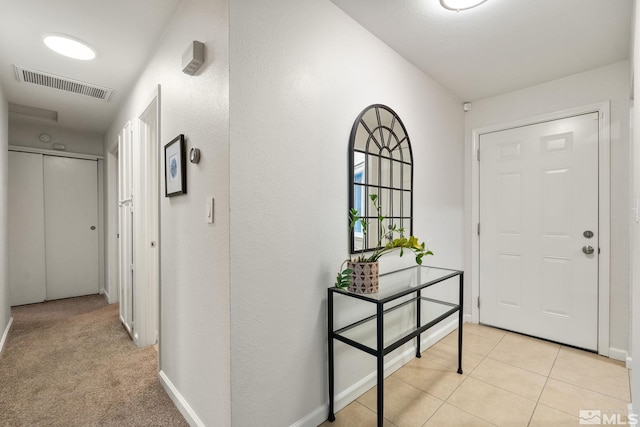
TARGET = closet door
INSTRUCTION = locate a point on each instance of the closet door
(71, 226)
(27, 282)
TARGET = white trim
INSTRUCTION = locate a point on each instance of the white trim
(319, 415)
(604, 203)
(146, 221)
(55, 153)
(101, 227)
(112, 226)
(618, 354)
(5, 334)
(185, 409)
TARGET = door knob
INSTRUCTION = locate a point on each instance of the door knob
(93, 227)
(588, 249)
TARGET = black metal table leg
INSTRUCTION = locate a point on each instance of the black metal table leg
(418, 310)
(460, 316)
(332, 415)
(380, 357)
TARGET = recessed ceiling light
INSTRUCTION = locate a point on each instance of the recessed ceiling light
(69, 46)
(459, 5)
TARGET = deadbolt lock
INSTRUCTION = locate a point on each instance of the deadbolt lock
(588, 234)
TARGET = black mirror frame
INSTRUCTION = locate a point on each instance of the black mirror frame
(360, 125)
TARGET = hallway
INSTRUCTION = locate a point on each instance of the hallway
(70, 363)
(509, 380)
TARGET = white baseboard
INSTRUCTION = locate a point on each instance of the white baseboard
(187, 412)
(319, 415)
(5, 334)
(617, 354)
(106, 295)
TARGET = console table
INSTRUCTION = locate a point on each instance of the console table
(399, 290)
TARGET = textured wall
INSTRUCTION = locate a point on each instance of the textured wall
(194, 336)
(301, 72)
(5, 309)
(26, 134)
(634, 332)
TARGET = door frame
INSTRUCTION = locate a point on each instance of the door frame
(604, 203)
(147, 221)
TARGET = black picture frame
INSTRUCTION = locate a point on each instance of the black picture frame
(175, 167)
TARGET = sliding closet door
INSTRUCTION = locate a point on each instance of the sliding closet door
(71, 226)
(27, 282)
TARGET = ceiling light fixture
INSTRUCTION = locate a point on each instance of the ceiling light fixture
(459, 5)
(69, 46)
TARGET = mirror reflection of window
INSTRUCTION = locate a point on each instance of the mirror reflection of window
(358, 199)
(382, 164)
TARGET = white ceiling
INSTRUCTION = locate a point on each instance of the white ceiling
(124, 34)
(501, 45)
(498, 47)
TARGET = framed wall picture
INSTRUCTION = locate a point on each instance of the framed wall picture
(175, 172)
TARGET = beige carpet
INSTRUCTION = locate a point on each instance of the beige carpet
(71, 363)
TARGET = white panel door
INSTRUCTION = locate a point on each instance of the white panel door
(71, 226)
(27, 282)
(538, 203)
(125, 227)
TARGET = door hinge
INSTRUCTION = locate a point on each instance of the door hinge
(478, 229)
(478, 154)
(478, 302)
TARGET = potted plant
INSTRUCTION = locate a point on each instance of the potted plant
(361, 274)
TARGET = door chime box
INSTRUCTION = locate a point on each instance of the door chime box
(193, 57)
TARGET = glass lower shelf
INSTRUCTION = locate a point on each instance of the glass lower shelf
(399, 325)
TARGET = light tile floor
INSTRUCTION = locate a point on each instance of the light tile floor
(509, 380)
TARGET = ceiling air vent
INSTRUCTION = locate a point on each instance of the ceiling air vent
(62, 83)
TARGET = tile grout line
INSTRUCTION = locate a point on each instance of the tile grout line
(446, 367)
(468, 375)
(544, 386)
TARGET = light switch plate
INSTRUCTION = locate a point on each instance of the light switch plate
(210, 210)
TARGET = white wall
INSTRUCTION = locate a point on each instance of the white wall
(5, 309)
(194, 335)
(301, 72)
(610, 83)
(635, 226)
(26, 134)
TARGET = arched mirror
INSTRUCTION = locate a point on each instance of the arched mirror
(381, 164)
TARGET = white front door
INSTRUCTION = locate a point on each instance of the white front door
(538, 221)
(71, 226)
